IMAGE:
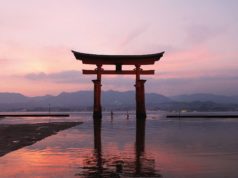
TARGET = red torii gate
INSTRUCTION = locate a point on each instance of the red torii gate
(118, 61)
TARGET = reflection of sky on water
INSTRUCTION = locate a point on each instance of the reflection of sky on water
(173, 148)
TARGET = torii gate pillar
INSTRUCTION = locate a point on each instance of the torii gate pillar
(97, 109)
(140, 99)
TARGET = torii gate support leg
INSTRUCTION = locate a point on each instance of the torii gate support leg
(97, 110)
(140, 99)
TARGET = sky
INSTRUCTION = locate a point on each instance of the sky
(199, 39)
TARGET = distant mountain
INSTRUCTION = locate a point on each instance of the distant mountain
(126, 99)
(201, 97)
(77, 101)
(74, 99)
(114, 100)
(8, 98)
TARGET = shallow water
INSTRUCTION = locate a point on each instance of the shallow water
(194, 148)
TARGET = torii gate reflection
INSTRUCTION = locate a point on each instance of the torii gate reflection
(97, 165)
(118, 61)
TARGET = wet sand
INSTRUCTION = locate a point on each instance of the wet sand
(13, 137)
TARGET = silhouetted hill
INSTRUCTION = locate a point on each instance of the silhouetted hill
(77, 100)
(8, 98)
(200, 97)
(114, 100)
(125, 100)
(74, 99)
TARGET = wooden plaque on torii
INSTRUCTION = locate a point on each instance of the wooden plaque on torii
(119, 61)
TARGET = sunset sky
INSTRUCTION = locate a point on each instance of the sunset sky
(199, 37)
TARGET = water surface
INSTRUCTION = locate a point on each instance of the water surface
(171, 148)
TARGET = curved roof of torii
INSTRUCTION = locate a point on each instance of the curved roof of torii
(145, 59)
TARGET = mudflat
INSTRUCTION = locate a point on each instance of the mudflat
(13, 137)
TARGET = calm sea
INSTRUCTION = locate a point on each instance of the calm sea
(170, 148)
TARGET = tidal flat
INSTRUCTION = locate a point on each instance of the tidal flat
(13, 137)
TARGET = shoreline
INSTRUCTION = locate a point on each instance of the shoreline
(35, 115)
(203, 116)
